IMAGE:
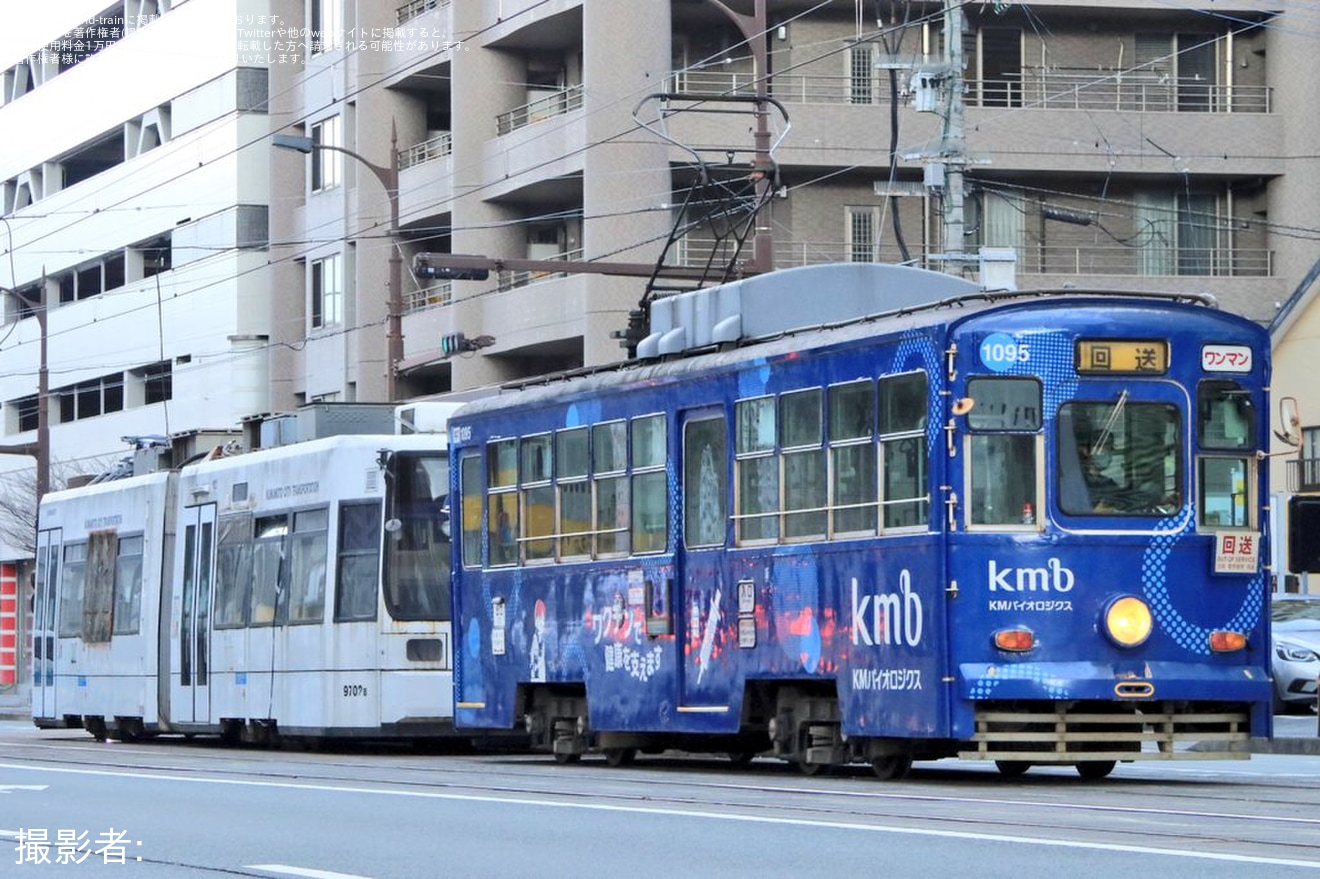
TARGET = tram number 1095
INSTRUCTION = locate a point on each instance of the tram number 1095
(354, 690)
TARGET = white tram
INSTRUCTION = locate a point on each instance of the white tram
(301, 590)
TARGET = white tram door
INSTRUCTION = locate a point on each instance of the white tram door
(49, 554)
(190, 626)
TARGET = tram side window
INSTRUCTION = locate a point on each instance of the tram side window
(1225, 416)
(71, 589)
(609, 463)
(1002, 445)
(705, 481)
(756, 471)
(571, 465)
(650, 495)
(99, 586)
(538, 498)
(358, 566)
(128, 586)
(852, 458)
(307, 565)
(1225, 422)
(470, 493)
(269, 572)
(502, 505)
(904, 408)
(803, 462)
(233, 571)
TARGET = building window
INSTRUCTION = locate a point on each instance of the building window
(861, 74)
(862, 224)
(90, 398)
(327, 292)
(327, 26)
(327, 165)
(157, 383)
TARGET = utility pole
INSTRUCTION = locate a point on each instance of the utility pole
(953, 147)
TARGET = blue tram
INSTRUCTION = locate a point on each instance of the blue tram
(1017, 527)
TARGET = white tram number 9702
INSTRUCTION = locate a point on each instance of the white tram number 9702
(354, 690)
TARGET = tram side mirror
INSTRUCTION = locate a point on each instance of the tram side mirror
(1290, 422)
(393, 527)
(963, 405)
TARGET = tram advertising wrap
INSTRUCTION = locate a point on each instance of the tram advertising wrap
(1022, 528)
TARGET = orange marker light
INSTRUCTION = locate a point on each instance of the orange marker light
(1128, 621)
(1015, 640)
(1227, 642)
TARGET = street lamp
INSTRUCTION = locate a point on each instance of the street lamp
(389, 178)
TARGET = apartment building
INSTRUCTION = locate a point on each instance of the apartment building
(134, 174)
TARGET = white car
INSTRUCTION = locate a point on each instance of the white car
(1296, 652)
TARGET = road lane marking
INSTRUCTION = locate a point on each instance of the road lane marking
(303, 871)
(694, 813)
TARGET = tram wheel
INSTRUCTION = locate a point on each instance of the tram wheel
(95, 726)
(811, 768)
(1093, 769)
(617, 757)
(1012, 768)
(891, 767)
(130, 731)
(565, 759)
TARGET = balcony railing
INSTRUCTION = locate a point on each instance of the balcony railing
(555, 104)
(1304, 474)
(507, 280)
(435, 148)
(1047, 89)
(441, 293)
(1036, 260)
(414, 8)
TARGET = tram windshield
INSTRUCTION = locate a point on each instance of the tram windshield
(1119, 458)
(417, 538)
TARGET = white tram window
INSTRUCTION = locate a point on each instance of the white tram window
(756, 472)
(269, 571)
(1225, 488)
(358, 565)
(803, 463)
(417, 548)
(609, 461)
(502, 463)
(648, 442)
(1003, 479)
(650, 491)
(571, 464)
(233, 571)
(1003, 451)
(307, 556)
(1225, 416)
(904, 408)
(71, 589)
(538, 498)
(470, 493)
(502, 525)
(705, 481)
(128, 586)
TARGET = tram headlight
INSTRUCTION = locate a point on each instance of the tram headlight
(1128, 621)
